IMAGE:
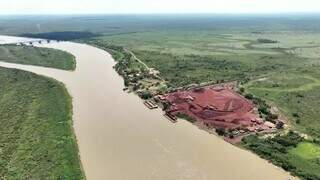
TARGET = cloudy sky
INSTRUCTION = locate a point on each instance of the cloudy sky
(155, 6)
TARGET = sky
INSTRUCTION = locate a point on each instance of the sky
(156, 6)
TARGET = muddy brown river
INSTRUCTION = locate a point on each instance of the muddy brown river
(120, 139)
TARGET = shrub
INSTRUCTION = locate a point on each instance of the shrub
(145, 95)
(295, 115)
(242, 90)
(221, 131)
(249, 96)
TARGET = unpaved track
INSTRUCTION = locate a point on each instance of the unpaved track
(120, 139)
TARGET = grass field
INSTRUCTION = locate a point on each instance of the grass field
(276, 58)
(283, 70)
(36, 135)
(185, 57)
(37, 56)
(290, 152)
(276, 72)
(306, 157)
(306, 151)
(296, 94)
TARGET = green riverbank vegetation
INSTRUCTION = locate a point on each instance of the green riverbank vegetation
(36, 134)
(275, 59)
(138, 77)
(31, 55)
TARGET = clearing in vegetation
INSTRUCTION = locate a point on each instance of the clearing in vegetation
(289, 151)
(280, 74)
(307, 151)
(220, 108)
(274, 59)
(276, 68)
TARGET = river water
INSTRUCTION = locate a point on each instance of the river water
(120, 139)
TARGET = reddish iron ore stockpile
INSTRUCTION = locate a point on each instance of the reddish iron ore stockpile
(215, 107)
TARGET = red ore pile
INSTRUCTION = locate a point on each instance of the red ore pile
(215, 107)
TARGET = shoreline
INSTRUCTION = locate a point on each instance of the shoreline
(180, 129)
(152, 95)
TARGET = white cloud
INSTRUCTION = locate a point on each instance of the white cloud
(156, 6)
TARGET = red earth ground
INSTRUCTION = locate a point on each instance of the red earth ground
(215, 107)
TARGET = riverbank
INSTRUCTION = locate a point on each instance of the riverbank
(116, 132)
(36, 133)
(272, 121)
(30, 55)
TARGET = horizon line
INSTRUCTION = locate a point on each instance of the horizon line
(163, 13)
